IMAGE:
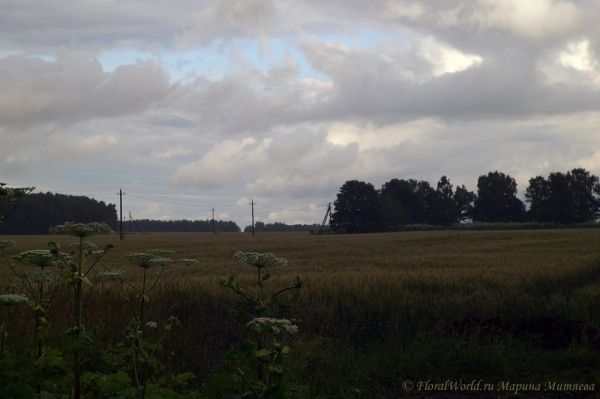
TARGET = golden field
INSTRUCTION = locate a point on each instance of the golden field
(451, 274)
(383, 300)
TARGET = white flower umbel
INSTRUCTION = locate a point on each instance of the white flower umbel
(188, 262)
(142, 259)
(12, 299)
(161, 251)
(87, 245)
(160, 261)
(273, 326)
(261, 261)
(112, 273)
(82, 230)
(7, 243)
(151, 324)
(37, 257)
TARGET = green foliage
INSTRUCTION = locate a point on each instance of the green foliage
(259, 364)
(278, 227)
(184, 226)
(357, 208)
(38, 212)
(564, 198)
(497, 199)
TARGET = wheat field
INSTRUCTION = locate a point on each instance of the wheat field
(381, 291)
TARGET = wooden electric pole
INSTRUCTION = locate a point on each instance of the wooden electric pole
(213, 220)
(252, 203)
(121, 194)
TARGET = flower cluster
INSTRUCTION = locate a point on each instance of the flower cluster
(159, 261)
(98, 254)
(161, 251)
(112, 273)
(188, 261)
(37, 257)
(42, 276)
(261, 261)
(10, 194)
(151, 324)
(12, 299)
(273, 326)
(7, 243)
(147, 261)
(86, 245)
(82, 230)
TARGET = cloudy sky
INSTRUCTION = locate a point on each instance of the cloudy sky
(189, 105)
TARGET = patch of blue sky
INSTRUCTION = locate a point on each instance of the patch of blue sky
(223, 58)
(220, 59)
(44, 57)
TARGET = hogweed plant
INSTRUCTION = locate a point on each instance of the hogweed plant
(268, 350)
(40, 285)
(78, 272)
(152, 260)
(7, 300)
(11, 195)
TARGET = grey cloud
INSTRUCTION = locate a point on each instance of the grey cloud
(368, 85)
(171, 121)
(254, 15)
(73, 88)
(98, 25)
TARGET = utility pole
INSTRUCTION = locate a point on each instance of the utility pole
(121, 194)
(328, 213)
(213, 220)
(130, 223)
(252, 203)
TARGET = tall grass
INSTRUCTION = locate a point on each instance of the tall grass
(375, 307)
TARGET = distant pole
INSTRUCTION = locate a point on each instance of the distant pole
(252, 203)
(121, 194)
(213, 220)
(130, 223)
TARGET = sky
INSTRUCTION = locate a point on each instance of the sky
(193, 105)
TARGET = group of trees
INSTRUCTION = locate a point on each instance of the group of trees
(184, 226)
(279, 227)
(561, 198)
(39, 212)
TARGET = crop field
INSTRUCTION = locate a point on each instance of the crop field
(379, 311)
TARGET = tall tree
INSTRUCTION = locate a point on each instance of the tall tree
(564, 198)
(400, 204)
(443, 211)
(427, 197)
(585, 188)
(497, 199)
(464, 199)
(537, 194)
(357, 208)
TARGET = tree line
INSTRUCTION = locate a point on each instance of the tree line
(39, 212)
(183, 226)
(565, 198)
(279, 227)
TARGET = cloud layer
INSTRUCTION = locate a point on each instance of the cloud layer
(286, 100)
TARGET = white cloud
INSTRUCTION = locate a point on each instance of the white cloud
(306, 95)
(223, 164)
(574, 65)
(578, 56)
(446, 59)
